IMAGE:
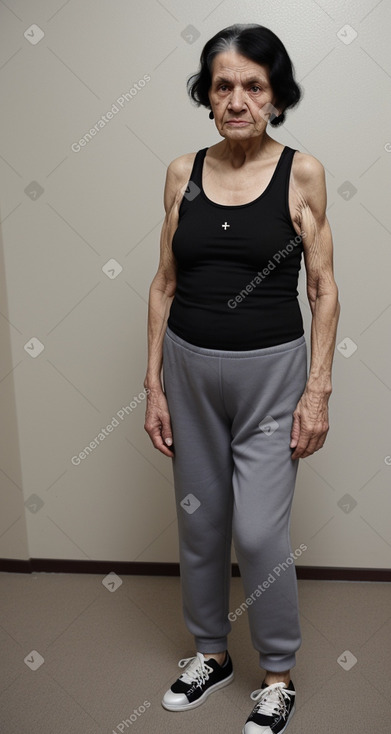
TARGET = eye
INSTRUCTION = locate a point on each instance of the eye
(223, 87)
(256, 88)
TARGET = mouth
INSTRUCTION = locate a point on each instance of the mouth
(238, 123)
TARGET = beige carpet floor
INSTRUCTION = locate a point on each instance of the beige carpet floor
(79, 656)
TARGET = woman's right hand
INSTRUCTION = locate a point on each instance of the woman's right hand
(157, 421)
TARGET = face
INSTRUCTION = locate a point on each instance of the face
(240, 96)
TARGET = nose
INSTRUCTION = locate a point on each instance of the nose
(236, 102)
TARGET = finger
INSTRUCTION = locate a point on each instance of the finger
(166, 430)
(160, 444)
(298, 453)
(295, 432)
(301, 445)
(155, 434)
(165, 450)
(310, 443)
(315, 444)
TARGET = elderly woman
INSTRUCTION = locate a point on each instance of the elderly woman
(236, 406)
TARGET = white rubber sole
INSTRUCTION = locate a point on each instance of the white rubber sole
(286, 725)
(202, 699)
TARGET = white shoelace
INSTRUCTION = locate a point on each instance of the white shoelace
(272, 700)
(197, 671)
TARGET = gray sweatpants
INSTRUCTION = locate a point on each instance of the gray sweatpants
(231, 415)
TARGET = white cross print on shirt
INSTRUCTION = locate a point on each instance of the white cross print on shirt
(225, 225)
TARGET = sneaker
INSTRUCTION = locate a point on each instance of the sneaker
(274, 709)
(201, 677)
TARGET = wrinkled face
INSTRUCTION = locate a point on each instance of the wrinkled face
(240, 96)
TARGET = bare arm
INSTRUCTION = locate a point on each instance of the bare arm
(161, 293)
(310, 419)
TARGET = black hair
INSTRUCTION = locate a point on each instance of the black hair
(259, 44)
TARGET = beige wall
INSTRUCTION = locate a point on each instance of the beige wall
(103, 202)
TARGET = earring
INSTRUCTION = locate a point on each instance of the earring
(211, 115)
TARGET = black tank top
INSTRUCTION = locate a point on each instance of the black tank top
(237, 267)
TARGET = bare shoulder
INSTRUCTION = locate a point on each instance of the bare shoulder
(178, 174)
(308, 185)
(306, 169)
(181, 167)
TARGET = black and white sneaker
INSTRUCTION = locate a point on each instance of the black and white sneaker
(274, 709)
(201, 677)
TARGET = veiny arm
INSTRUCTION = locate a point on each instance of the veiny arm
(161, 293)
(310, 418)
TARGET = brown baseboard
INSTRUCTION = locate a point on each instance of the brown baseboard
(58, 565)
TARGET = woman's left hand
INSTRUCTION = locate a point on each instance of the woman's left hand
(310, 424)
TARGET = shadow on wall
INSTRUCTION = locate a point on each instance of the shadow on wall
(13, 544)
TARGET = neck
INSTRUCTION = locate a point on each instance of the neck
(239, 152)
